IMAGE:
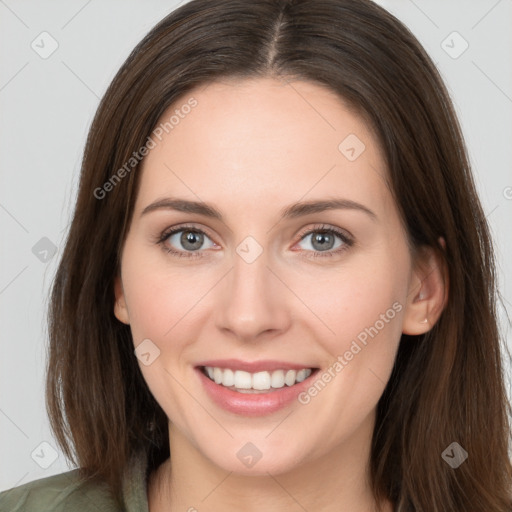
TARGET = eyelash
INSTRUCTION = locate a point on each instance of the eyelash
(345, 238)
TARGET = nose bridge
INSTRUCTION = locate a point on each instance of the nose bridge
(252, 301)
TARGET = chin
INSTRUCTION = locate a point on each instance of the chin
(249, 460)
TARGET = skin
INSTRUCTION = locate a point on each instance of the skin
(252, 148)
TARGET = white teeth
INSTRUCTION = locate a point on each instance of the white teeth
(217, 375)
(257, 381)
(228, 378)
(289, 378)
(301, 375)
(277, 380)
(261, 380)
(243, 380)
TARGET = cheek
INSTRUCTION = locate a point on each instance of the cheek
(158, 296)
(362, 297)
(361, 309)
(163, 307)
(166, 304)
(364, 313)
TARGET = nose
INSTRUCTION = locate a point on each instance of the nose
(252, 302)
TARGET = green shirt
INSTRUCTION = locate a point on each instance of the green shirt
(66, 492)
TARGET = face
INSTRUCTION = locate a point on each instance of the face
(260, 282)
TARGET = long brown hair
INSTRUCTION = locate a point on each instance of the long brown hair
(447, 385)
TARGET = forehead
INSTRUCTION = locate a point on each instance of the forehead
(263, 141)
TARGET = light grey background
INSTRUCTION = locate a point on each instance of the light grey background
(47, 105)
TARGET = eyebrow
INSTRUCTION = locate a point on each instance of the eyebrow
(290, 212)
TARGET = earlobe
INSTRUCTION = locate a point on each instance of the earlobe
(120, 309)
(428, 292)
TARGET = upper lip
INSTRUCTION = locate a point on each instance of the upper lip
(254, 366)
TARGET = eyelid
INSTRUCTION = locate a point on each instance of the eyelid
(343, 233)
(166, 233)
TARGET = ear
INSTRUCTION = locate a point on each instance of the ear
(120, 309)
(428, 290)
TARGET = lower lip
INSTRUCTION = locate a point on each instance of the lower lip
(253, 404)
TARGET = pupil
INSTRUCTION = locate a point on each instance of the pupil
(323, 240)
(189, 237)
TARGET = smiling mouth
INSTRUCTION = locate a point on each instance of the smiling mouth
(258, 382)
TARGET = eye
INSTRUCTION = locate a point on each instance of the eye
(323, 241)
(189, 240)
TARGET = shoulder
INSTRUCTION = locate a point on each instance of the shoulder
(58, 493)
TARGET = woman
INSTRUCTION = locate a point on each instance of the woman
(278, 270)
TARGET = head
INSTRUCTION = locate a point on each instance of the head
(248, 109)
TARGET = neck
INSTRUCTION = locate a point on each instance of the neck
(188, 481)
